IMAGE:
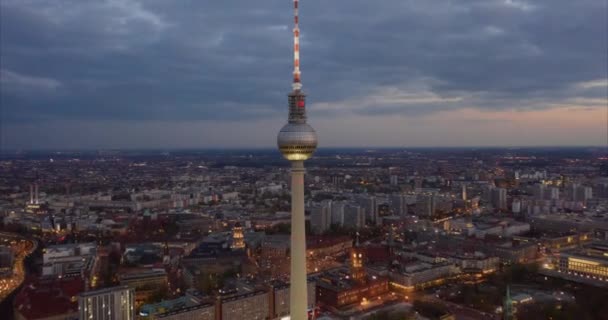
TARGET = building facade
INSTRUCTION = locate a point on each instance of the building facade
(117, 303)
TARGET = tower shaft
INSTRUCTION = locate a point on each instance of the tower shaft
(298, 292)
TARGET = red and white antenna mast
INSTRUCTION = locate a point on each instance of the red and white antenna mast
(297, 85)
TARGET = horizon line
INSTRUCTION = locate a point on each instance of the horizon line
(55, 149)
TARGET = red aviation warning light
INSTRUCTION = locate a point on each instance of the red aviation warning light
(301, 103)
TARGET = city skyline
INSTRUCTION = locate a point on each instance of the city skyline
(131, 74)
(461, 171)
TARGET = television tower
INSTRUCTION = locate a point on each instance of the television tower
(297, 142)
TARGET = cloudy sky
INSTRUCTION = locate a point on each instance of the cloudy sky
(209, 73)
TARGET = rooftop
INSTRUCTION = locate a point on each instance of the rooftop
(103, 291)
(46, 297)
(339, 279)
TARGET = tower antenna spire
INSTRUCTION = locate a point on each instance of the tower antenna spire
(297, 84)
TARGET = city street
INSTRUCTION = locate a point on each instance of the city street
(22, 248)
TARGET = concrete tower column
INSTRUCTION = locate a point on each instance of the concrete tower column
(298, 294)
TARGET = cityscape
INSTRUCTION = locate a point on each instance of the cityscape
(390, 188)
(409, 233)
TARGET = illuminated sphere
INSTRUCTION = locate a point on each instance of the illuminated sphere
(297, 141)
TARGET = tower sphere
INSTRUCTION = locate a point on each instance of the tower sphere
(297, 141)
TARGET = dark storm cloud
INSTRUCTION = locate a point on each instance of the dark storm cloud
(189, 60)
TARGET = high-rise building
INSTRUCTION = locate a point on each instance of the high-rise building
(539, 191)
(297, 141)
(370, 205)
(516, 206)
(582, 193)
(354, 216)
(336, 181)
(426, 204)
(600, 187)
(337, 213)
(320, 218)
(552, 193)
(499, 198)
(394, 180)
(398, 204)
(115, 303)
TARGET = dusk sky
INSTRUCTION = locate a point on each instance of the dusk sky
(209, 73)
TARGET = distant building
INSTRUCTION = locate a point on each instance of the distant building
(115, 303)
(559, 242)
(582, 194)
(68, 259)
(238, 239)
(410, 275)
(279, 298)
(322, 250)
(398, 204)
(275, 246)
(252, 305)
(511, 251)
(516, 206)
(370, 206)
(589, 264)
(337, 213)
(354, 217)
(538, 190)
(336, 288)
(205, 311)
(185, 307)
(269, 303)
(336, 181)
(499, 198)
(320, 218)
(324, 246)
(474, 263)
(394, 180)
(426, 205)
(144, 282)
(553, 194)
